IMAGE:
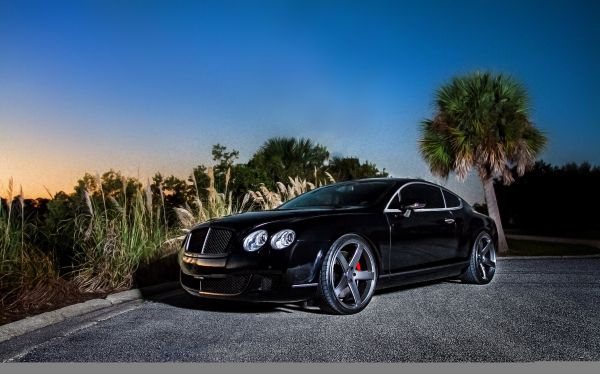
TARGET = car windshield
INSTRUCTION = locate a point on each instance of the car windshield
(341, 195)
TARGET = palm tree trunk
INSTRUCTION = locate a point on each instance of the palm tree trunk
(494, 212)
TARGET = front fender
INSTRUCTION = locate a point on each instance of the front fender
(305, 261)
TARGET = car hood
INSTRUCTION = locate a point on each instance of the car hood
(248, 220)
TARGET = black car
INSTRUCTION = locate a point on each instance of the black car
(339, 243)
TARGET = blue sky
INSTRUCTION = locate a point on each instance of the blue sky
(145, 86)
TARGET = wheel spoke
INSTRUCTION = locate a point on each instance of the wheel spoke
(483, 272)
(342, 261)
(355, 292)
(488, 262)
(364, 275)
(485, 249)
(343, 284)
(356, 257)
(344, 292)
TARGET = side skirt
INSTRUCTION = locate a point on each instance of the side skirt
(421, 275)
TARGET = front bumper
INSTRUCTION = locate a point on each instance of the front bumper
(268, 275)
(250, 287)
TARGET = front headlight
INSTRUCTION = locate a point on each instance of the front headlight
(283, 239)
(255, 240)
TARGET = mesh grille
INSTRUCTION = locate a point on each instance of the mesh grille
(232, 285)
(197, 241)
(226, 286)
(209, 241)
(217, 241)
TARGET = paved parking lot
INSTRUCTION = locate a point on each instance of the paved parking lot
(533, 310)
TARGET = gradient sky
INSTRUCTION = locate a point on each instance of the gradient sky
(143, 86)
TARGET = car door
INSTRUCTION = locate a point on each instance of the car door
(422, 230)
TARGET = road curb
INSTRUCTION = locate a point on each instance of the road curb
(547, 257)
(28, 324)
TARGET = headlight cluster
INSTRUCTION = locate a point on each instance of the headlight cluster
(280, 240)
(255, 240)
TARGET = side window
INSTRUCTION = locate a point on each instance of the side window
(452, 200)
(431, 196)
(395, 202)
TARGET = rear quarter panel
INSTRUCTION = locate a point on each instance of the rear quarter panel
(475, 222)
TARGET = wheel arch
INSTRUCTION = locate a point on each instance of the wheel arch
(320, 255)
(376, 251)
(477, 223)
(325, 230)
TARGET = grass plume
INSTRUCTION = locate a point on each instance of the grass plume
(115, 242)
(265, 199)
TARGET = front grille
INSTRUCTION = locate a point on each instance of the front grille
(196, 241)
(216, 241)
(209, 241)
(232, 285)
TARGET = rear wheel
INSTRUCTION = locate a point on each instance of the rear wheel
(348, 276)
(482, 264)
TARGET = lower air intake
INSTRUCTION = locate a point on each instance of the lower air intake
(225, 286)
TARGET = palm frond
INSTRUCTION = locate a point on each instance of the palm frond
(481, 121)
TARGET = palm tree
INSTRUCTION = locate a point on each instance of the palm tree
(482, 123)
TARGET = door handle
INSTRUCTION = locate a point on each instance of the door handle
(449, 220)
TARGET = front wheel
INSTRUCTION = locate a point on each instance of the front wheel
(348, 276)
(482, 264)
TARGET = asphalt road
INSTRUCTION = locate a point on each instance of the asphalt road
(533, 310)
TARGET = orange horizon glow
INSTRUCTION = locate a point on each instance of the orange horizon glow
(32, 189)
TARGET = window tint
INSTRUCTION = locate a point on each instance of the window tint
(395, 203)
(341, 195)
(431, 196)
(452, 200)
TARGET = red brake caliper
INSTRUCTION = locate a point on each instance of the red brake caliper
(358, 266)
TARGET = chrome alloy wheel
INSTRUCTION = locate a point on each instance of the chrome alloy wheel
(352, 273)
(485, 256)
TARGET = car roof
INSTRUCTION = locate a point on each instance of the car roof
(398, 181)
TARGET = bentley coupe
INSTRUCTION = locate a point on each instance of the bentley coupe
(337, 244)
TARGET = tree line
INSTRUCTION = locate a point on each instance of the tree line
(553, 200)
(277, 160)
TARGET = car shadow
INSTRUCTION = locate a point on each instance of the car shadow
(181, 299)
(414, 285)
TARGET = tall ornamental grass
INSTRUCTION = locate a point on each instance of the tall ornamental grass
(113, 233)
(115, 237)
(26, 274)
(218, 204)
(265, 199)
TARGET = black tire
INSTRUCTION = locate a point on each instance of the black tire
(482, 262)
(348, 276)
